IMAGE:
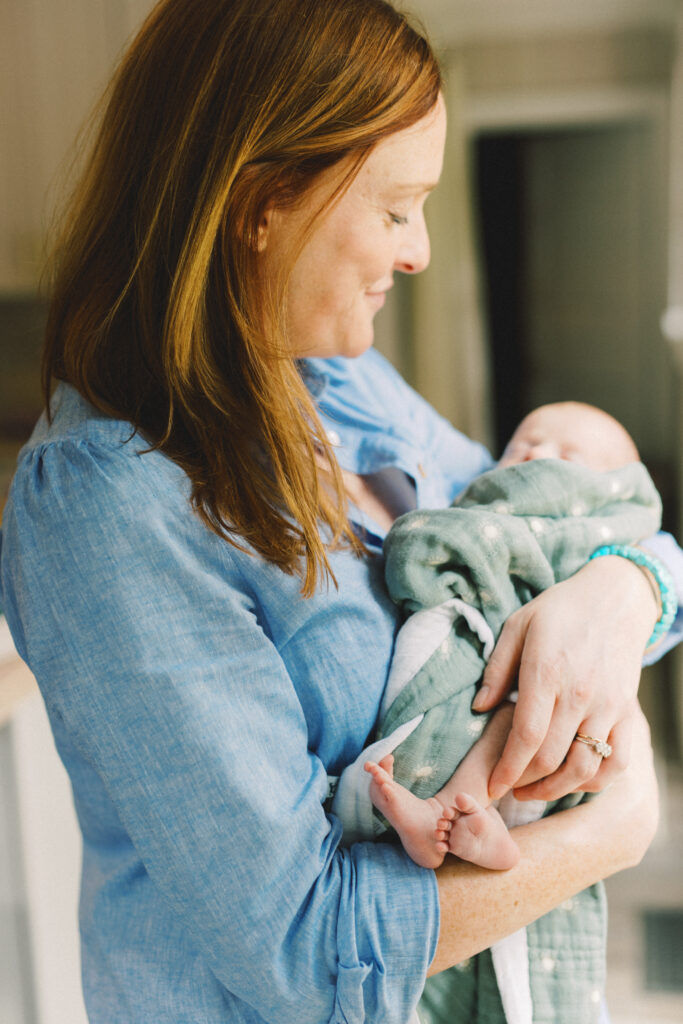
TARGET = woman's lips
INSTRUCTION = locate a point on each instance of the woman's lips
(377, 298)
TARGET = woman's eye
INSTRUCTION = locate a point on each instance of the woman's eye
(396, 218)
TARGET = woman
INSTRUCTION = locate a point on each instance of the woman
(193, 574)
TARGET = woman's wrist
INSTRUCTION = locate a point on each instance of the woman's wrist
(631, 590)
(658, 579)
(607, 836)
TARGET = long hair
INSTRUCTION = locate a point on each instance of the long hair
(158, 314)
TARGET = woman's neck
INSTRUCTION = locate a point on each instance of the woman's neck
(383, 496)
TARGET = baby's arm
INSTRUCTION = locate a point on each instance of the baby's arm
(458, 818)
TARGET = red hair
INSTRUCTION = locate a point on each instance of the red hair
(219, 108)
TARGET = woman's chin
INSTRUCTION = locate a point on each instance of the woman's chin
(360, 341)
(347, 347)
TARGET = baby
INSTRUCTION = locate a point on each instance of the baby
(460, 817)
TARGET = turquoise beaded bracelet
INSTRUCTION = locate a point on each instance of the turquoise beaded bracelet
(661, 575)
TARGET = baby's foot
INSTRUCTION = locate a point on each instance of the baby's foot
(422, 825)
(479, 835)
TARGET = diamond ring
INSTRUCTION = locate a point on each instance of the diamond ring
(600, 747)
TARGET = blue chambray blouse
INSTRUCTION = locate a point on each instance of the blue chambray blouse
(199, 704)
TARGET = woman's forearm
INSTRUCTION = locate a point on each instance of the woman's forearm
(478, 907)
(561, 855)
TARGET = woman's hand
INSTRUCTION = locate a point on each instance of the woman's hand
(561, 855)
(575, 652)
(632, 833)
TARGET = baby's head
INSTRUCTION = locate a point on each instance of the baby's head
(574, 432)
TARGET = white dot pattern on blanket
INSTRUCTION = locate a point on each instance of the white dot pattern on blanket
(502, 508)
(491, 531)
(615, 486)
(548, 963)
(606, 533)
(476, 726)
(415, 523)
(425, 772)
(568, 905)
(464, 965)
(596, 995)
(536, 525)
(578, 509)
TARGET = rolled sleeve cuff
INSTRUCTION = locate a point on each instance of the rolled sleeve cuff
(384, 955)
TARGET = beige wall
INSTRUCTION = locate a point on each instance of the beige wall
(55, 59)
(635, 56)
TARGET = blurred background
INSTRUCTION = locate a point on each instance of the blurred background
(557, 273)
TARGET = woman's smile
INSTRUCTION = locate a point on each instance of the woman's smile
(341, 276)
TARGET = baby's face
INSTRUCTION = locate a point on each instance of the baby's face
(574, 433)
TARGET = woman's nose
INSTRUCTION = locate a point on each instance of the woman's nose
(413, 255)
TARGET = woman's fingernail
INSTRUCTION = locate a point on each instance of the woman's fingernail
(480, 700)
(497, 791)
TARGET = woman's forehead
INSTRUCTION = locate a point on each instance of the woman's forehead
(409, 161)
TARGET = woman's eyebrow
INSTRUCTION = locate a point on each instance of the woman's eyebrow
(412, 188)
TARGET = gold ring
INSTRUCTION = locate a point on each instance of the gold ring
(600, 747)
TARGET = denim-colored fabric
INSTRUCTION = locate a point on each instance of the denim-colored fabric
(199, 703)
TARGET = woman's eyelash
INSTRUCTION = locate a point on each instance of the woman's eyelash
(396, 218)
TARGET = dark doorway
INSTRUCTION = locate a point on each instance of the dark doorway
(499, 185)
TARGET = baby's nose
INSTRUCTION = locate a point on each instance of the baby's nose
(542, 450)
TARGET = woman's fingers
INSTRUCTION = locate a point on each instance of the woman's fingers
(584, 769)
(548, 708)
(500, 674)
(530, 724)
(577, 670)
(620, 739)
(552, 756)
(576, 770)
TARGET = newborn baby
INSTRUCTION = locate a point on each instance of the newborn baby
(460, 818)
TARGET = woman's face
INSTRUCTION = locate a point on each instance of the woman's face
(340, 278)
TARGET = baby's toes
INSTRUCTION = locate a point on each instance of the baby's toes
(466, 804)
